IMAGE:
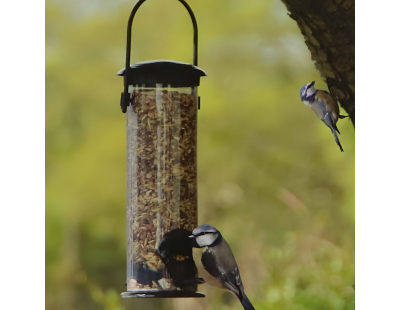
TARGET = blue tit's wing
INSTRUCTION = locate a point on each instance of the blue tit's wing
(330, 103)
(231, 279)
(330, 122)
(210, 265)
(327, 116)
(233, 282)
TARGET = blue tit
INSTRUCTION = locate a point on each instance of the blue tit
(175, 250)
(219, 263)
(324, 106)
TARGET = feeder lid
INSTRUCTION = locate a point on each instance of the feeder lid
(166, 72)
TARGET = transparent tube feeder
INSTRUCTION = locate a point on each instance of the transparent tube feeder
(161, 102)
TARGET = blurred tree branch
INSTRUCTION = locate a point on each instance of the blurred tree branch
(329, 30)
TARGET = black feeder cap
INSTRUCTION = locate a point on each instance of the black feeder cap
(165, 72)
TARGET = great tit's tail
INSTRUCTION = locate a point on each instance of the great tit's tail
(246, 303)
(337, 139)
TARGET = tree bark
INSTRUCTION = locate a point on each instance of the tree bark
(328, 27)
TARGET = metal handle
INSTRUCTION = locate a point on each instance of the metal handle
(125, 98)
(129, 32)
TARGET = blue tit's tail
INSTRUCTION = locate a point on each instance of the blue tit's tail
(336, 138)
(246, 303)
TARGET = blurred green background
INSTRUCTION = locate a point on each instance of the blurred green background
(271, 177)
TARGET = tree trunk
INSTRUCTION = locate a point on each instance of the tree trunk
(328, 27)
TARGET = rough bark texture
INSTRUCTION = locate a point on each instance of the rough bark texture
(328, 27)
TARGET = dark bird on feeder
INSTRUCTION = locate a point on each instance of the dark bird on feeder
(323, 104)
(219, 263)
(175, 250)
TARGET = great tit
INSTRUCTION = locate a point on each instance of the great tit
(175, 250)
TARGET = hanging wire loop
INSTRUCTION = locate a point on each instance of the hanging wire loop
(125, 100)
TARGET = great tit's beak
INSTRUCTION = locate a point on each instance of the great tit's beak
(192, 236)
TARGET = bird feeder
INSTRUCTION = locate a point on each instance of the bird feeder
(160, 101)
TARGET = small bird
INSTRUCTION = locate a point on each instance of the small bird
(324, 106)
(219, 262)
(175, 250)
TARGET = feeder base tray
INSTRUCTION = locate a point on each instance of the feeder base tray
(161, 294)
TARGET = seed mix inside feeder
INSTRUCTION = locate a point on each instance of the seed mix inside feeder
(160, 100)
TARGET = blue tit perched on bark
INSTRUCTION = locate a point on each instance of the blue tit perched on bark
(175, 250)
(324, 106)
(219, 262)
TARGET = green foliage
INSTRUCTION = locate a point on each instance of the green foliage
(271, 177)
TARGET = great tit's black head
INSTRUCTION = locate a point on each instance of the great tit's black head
(175, 242)
(205, 236)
